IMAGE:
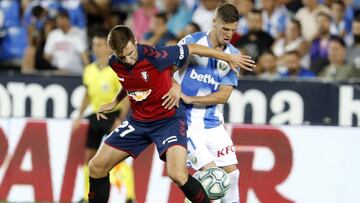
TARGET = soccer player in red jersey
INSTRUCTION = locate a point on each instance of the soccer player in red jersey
(146, 77)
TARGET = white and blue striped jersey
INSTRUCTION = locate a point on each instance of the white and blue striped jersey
(202, 76)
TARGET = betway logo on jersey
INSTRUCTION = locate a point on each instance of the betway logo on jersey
(205, 78)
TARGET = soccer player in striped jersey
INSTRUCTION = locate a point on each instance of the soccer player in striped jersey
(205, 83)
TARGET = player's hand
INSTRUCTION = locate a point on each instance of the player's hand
(186, 99)
(242, 61)
(104, 109)
(172, 97)
(116, 123)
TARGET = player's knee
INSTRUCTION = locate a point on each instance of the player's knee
(97, 170)
(178, 177)
(230, 168)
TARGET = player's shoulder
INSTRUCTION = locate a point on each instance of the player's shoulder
(89, 67)
(192, 38)
(232, 49)
(112, 60)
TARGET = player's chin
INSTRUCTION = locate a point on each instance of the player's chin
(226, 41)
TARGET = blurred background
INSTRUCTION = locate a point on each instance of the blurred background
(294, 120)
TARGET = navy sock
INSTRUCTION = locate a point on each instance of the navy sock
(99, 190)
(194, 191)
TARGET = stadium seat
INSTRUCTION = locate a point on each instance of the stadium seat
(12, 45)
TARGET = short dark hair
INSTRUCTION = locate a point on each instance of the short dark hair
(339, 2)
(196, 26)
(293, 52)
(63, 13)
(326, 15)
(338, 39)
(37, 11)
(162, 16)
(357, 19)
(118, 38)
(227, 13)
(100, 32)
(296, 22)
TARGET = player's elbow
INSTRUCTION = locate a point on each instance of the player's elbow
(223, 99)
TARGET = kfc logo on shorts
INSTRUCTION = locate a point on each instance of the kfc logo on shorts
(226, 150)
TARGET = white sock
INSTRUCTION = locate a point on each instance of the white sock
(233, 195)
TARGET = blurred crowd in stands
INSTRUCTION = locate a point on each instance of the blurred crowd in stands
(287, 38)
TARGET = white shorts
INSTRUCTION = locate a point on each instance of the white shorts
(206, 145)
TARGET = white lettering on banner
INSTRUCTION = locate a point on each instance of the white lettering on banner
(257, 99)
(76, 98)
(289, 164)
(238, 101)
(348, 106)
(15, 95)
(38, 96)
(5, 102)
(295, 114)
(205, 78)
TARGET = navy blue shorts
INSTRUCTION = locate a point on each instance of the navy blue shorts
(133, 136)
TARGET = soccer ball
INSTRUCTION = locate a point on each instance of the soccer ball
(215, 181)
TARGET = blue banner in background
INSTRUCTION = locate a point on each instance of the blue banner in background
(253, 101)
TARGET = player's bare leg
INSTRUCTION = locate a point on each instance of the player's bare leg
(99, 167)
(177, 171)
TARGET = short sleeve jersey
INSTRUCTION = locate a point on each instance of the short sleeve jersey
(102, 85)
(203, 76)
(149, 79)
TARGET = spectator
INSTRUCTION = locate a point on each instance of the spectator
(159, 34)
(256, 41)
(294, 69)
(192, 28)
(178, 15)
(275, 18)
(100, 13)
(307, 17)
(40, 26)
(204, 14)
(66, 46)
(266, 67)
(243, 7)
(291, 5)
(292, 41)
(338, 69)
(341, 25)
(12, 35)
(141, 17)
(320, 45)
(353, 53)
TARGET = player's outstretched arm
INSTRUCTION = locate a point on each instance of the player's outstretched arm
(110, 106)
(234, 60)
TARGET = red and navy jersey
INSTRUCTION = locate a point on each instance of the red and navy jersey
(149, 79)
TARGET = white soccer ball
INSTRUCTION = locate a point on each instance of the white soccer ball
(215, 181)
